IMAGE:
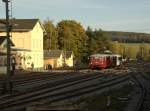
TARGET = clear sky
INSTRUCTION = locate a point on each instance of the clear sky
(115, 15)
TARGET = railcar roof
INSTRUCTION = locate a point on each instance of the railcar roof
(105, 55)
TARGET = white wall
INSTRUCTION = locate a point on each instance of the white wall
(37, 46)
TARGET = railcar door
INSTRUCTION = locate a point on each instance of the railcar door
(108, 61)
(114, 62)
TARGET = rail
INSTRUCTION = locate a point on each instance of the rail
(140, 102)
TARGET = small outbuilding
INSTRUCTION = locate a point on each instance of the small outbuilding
(54, 58)
(58, 59)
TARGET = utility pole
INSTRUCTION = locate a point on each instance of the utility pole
(8, 29)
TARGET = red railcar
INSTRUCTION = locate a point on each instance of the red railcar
(102, 61)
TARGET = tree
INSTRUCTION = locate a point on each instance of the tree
(72, 36)
(98, 41)
(51, 38)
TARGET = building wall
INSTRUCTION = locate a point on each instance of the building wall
(131, 50)
(58, 62)
(3, 67)
(54, 62)
(69, 61)
(3, 59)
(37, 46)
(22, 39)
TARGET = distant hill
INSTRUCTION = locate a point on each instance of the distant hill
(129, 37)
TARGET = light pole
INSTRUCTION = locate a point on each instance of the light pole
(8, 85)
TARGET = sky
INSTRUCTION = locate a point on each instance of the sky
(110, 15)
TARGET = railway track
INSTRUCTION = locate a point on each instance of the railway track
(60, 92)
(22, 83)
(46, 80)
(144, 96)
(35, 80)
(53, 84)
(50, 82)
(29, 77)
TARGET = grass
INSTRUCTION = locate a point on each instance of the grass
(148, 73)
(98, 102)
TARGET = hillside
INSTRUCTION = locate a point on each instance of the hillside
(129, 37)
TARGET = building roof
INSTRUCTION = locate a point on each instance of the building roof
(53, 53)
(2, 22)
(20, 49)
(68, 54)
(2, 40)
(57, 54)
(5, 53)
(2, 54)
(21, 24)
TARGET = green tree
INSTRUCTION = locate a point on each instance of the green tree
(72, 36)
(51, 38)
(98, 41)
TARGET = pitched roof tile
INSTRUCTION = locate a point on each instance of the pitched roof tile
(20, 24)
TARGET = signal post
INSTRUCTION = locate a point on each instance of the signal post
(7, 84)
